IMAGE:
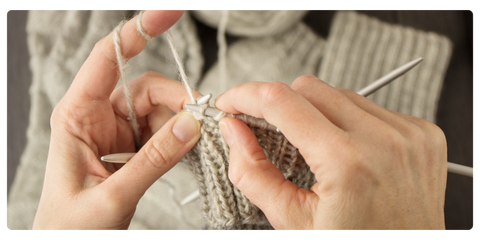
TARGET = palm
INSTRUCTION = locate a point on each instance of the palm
(110, 132)
(91, 121)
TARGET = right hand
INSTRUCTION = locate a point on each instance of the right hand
(375, 168)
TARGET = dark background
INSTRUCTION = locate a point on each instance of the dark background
(454, 116)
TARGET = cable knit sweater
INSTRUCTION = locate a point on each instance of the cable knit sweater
(358, 50)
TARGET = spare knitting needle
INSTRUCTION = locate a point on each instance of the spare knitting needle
(460, 169)
(217, 114)
(389, 77)
(117, 157)
(214, 112)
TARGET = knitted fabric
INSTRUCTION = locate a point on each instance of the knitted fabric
(358, 50)
(361, 49)
(224, 206)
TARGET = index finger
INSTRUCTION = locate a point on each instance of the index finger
(99, 74)
(300, 122)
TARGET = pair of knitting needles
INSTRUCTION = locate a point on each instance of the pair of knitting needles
(218, 114)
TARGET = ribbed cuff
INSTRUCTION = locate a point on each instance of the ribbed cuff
(361, 49)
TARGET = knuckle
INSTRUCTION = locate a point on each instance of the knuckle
(54, 118)
(102, 46)
(439, 136)
(152, 74)
(340, 89)
(427, 132)
(99, 44)
(156, 154)
(437, 142)
(396, 143)
(343, 91)
(415, 133)
(235, 176)
(304, 83)
(62, 119)
(275, 93)
(428, 144)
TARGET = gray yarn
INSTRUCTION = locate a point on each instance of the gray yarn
(252, 23)
(349, 59)
(121, 62)
(209, 158)
(224, 206)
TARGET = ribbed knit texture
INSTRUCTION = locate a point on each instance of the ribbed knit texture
(224, 206)
(361, 49)
(357, 51)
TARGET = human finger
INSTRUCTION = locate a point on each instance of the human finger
(164, 149)
(330, 102)
(404, 124)
(284, 203)
(424, 135)
(149, 91)
(99, 74)
(302, 124)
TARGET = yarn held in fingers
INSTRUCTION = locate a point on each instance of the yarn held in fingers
(126, 87)
(140, 28)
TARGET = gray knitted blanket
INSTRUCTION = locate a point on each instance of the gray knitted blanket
(358, 50)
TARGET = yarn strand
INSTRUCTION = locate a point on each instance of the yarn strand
(222, 50)
(126, 87)
(181, 68)
(140, 28)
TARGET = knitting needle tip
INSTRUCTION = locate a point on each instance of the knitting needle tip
(193, 107)
(389, 77)
(117, 157)
(203, 99)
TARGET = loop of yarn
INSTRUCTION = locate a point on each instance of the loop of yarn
(252, 121)
(224, 206)
(140, 28)
(121, 65)
(200, 115)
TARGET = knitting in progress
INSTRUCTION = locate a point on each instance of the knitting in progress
(224, 206)
(358, 50)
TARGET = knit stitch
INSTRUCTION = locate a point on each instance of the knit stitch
(224, 206)
(358, 50)
(209, 158)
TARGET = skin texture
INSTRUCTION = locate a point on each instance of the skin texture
(375, 169)
(90, 121)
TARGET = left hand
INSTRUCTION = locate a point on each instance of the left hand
(80, 191)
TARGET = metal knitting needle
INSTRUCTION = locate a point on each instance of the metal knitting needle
(460, 169)
(218, 114)
(117, 157)
(388, 78)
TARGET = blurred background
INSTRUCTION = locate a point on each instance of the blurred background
(454, 114)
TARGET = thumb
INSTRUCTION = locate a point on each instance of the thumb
(285, 204)
(164, 149)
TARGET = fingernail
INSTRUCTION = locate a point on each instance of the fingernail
(225, 128)
(186, 127)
